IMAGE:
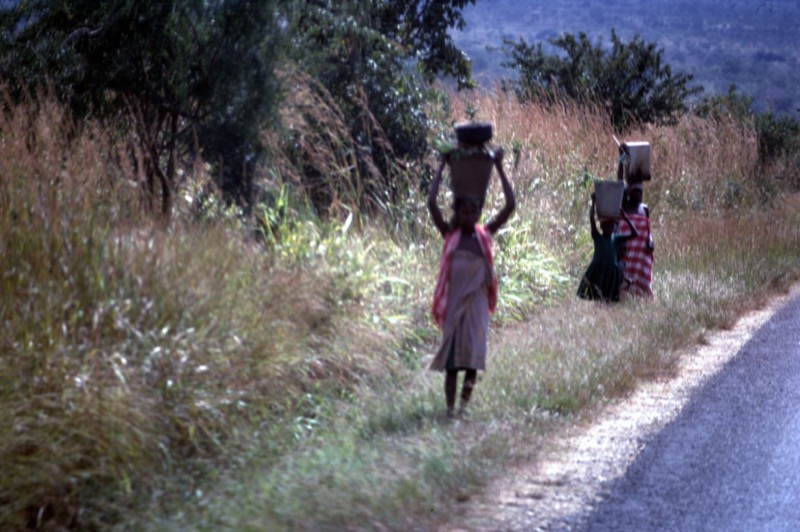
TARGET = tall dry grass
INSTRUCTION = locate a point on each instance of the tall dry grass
(697, 163)
(218, 383)
(317, 151)
(132, 357)
(390, 462)
(554, 152)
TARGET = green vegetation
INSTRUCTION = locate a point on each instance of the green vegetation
(163, 69)
(367, 97)
(262, 364)
(202, 79)
(747, 42)
(197, 377)
(778, 135)
(631, 80)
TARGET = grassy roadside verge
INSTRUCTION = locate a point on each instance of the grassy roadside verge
(389, 459)
(198, 378)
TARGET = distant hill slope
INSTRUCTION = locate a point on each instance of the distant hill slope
(752, 43)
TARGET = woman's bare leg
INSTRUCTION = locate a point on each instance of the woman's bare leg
(470, 377)
(450, 385)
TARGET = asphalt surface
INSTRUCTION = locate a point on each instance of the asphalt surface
(731, 459)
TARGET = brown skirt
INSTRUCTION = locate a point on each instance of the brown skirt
(466, 327)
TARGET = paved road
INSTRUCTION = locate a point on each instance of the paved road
(731, 460)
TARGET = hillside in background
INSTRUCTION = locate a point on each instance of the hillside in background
(751, 43)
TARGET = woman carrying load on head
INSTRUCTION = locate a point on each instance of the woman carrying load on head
(466, 287)
(603, 278)
(636, 258)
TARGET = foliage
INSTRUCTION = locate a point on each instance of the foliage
(422, 28)
(778, 134)
(630, 80)
(131, 357)
(720, 43)
(201, 378)
(734, 105)
(198, 77)
(360, 54)
(188, 77)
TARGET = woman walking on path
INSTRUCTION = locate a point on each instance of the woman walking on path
(466, 287)
(637, 256)
(603, 277)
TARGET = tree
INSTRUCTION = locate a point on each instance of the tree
(630, 80)
(422, 28)
(733, 104)
(778, 135)
(186, 74)
(375, 59)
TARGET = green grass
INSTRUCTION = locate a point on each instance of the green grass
(387, 457)
(208, 375)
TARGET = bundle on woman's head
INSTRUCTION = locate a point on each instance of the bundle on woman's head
(474, 133)
(471, 164)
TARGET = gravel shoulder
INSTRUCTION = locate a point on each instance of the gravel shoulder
(561, 486)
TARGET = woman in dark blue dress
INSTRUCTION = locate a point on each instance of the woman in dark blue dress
(603, 277)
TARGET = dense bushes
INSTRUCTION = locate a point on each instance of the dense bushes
(141, 364)
(188, 78)
(778, 135)
(630, 81)
(131, 356)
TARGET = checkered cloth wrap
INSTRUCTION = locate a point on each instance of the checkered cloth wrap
(485, 240)
(638, 260)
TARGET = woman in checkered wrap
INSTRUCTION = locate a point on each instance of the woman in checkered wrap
(637, 254)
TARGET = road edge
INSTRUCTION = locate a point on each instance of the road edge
(560, 487)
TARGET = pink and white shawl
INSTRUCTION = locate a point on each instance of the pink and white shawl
(451, 241)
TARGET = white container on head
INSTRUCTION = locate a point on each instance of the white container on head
(638, 168)
(608, 197)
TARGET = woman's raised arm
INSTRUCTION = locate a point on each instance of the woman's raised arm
(433, 206)
(508, 192)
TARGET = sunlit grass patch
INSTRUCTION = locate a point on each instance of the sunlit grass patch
(214, 374)
(551, 356)
(399, 482)
(131, 354)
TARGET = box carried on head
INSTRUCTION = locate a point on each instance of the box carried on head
(608, 197)
(472, 161)
(638, 167)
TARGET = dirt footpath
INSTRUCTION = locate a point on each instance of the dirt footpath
(558, 489)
